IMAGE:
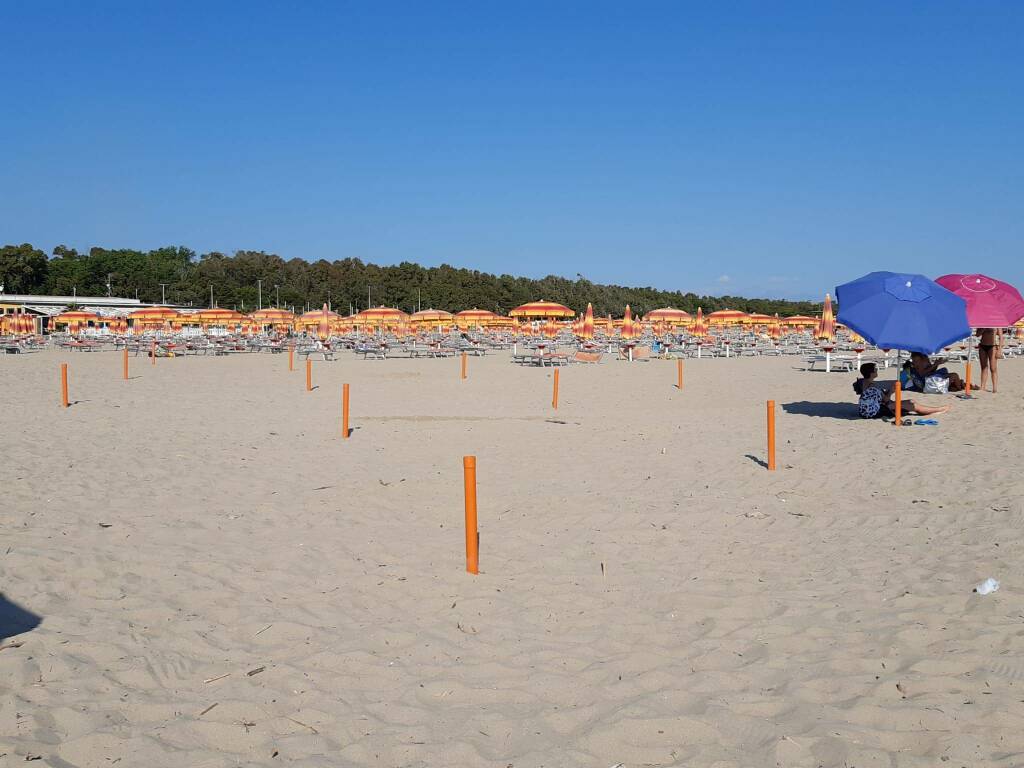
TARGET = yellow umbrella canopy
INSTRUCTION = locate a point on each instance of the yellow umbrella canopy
(380, 317)
(756, 318)
(279, 318)
(468, 318)
(216, 316)
(800, 321)
(541, 309)
(726, 317)
(668, 315)
(431, 317)
(75, 321)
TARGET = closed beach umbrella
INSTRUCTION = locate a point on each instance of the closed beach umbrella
(896, 310)
(775, 329)
(827, 324)
(629, 329)
(991, 303)
(587, 330)
(700, 327)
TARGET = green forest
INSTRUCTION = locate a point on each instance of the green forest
(187, 278)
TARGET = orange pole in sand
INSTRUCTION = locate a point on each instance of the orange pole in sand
(152, 353)
(309, 375)
(463, 365)
(291, 357)
(64, 385)
(554, 396)
(472, 535)
(967, 378)
(344, 411)
(124, 364)
(899, 403)
(771, 435)
(679, 372)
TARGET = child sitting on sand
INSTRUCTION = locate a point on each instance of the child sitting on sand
(875, 398)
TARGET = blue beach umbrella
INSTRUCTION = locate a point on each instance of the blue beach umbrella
(893, 310)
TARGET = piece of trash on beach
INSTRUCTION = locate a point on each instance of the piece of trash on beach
(256, 671)
(987, 587)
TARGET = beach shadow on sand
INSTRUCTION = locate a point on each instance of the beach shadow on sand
(14, 619)
(846, 411)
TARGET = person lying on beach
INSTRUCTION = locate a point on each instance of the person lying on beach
(876, 398)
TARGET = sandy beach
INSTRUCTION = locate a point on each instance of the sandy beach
(221, 580)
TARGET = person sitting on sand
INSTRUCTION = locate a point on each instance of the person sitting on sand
(923, 368)
(875, 398)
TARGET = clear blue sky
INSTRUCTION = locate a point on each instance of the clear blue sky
(754, 148)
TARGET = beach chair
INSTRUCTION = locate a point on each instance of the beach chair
(588, 358)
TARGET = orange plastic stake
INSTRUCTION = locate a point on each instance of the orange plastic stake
(344, 411)
(554, 396)
(124, 364)
(291, 357)
(309, 375)
(463, 365)
(771, 435)
(899, 403)
(967, 378)
(679, 374)
(64, 385)
(152, 353)
(472, 536)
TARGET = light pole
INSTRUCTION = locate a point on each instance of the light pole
(259, 287)
(108, 285)
(163, 293)
(211, 295)
(277, 295)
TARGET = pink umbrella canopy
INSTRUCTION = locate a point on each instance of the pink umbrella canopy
(991, 303)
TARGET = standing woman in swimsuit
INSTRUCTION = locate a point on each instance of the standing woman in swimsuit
(989, 342)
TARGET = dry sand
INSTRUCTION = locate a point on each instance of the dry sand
(222, 581)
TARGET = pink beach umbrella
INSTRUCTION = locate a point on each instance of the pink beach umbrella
(991, 303)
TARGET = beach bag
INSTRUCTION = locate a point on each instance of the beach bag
(936, 385)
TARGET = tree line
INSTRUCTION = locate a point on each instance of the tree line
(180, 276)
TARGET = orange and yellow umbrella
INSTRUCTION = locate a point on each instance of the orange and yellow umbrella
(668, 315)
(827, 327)
(800, 321)
(542, 309)
(775, 329)
(700, 326)
(436, 317)
(629, 329)
(74, 321)
(472, 318)
(279, 319)
(587, 326)
(218, 317)
(379, 317)
(726, 317)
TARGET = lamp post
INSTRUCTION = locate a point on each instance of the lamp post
(163, 293)
(259, 289)
(277, 296)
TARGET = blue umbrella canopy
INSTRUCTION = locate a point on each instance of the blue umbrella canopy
(894, 310)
